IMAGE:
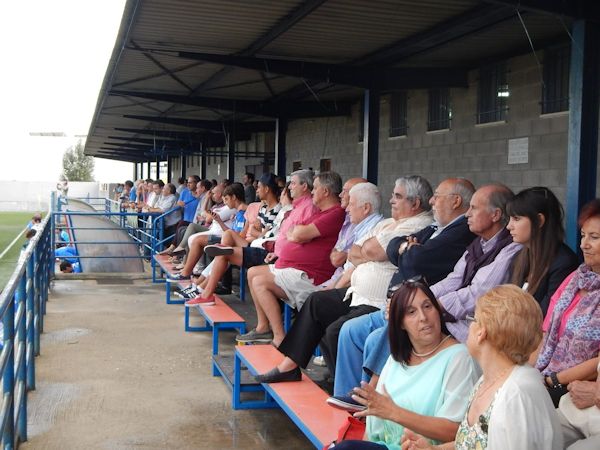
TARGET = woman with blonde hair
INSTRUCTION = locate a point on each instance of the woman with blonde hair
(509, 407)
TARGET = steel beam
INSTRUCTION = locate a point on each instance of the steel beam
(280, 147)
(261, 108)
(214, 125)
(582, 156)
(371, 136)
(368, 77)
(577, 9)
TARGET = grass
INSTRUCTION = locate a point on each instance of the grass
(11, 225)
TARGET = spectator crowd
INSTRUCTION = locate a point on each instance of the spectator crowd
(460, 321)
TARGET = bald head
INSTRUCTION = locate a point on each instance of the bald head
(451, 199)
(345, 194)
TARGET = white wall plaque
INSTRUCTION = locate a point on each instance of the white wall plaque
(518, 151)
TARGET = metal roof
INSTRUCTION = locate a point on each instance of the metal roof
(147, 76)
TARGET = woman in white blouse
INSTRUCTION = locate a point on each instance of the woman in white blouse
(509, 407)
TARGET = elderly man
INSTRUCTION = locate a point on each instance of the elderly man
(431, 252)
(325, 312)
(303, 262)
(188, 200)
(484, 265)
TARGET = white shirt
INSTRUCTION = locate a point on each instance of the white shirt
(523, 416)
(370, 280)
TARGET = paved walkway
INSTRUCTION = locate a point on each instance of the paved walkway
(117, 371)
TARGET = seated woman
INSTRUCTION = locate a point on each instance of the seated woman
(425, 382)
(536, 218)
(231, 216)
(509, 408)
(569, 350)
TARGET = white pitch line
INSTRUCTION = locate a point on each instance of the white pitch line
(12, 243)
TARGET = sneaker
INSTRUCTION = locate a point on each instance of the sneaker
(189, 292)
(218, 250)
(255, 336)
(176, 277)
(200, 301)
(345, 402)
(319, 361)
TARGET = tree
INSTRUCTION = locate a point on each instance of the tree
(76, 165)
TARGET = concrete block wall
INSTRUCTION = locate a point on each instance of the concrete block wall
(476, 152)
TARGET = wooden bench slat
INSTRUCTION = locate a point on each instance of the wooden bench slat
(220, 312)
(302, 399)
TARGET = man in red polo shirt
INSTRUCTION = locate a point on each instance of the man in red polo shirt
(303, 262)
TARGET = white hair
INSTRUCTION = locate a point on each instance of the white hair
(367, 193)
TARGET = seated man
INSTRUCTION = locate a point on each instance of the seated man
(326, 311)
(303, 262)
(67, 267)
(229, 216)
(431, 252)
(234, 248)
(484, 265)
(167, 201)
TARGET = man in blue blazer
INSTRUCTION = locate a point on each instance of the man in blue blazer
(431, 252)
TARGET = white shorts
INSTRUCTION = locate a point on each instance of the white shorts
(295, 283)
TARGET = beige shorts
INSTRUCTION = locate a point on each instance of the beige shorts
(295, 283)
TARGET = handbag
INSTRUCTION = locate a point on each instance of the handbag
(352, 430)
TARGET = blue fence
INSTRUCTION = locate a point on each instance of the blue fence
(146, 229)
(22, 308)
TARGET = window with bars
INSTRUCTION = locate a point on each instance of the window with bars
(555, 90)
(493, 93)
(398, 114)
(440, 112)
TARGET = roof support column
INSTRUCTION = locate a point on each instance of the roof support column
(149, 166)
(203, 162)
(169, 166)
(371, 135)
(231, 156)
(157, 168)
(584, 82)
(135, 171)
(183, 160)
(280, 147)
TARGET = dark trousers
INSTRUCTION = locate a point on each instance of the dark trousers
(180, 231)
(320, 320)
(359, 445)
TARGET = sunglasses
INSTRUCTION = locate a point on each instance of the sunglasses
(418, 281)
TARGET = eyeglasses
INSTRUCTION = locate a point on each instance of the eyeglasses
(411, 282)
(470, 318)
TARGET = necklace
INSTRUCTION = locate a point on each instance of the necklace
(423, 355)
(480, 392)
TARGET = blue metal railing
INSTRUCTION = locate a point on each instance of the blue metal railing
(146, 229)
(22, 307)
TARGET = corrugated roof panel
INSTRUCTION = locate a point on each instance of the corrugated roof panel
(503, 39)
(343, 30)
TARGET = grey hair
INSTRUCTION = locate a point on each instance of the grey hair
(463, 188)
(331, 181)
(367, 193)
(305, 176)
(498, 198)
(416, 187)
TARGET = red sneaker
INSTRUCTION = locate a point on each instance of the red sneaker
(197, 301)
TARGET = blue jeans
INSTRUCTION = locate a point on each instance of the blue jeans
(364, 336)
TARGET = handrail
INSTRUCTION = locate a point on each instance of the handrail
(22, 306)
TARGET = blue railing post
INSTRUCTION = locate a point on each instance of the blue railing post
(29, 321)
(8, 378)
(38, 276)
(20, 358)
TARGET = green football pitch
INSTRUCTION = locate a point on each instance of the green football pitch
(11, 226)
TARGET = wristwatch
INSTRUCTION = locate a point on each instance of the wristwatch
(554, 380)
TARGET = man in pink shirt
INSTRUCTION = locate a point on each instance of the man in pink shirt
(301, 253)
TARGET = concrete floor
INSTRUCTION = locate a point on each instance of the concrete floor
(117, 371)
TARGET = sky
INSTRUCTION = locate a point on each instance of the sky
(54, 57)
